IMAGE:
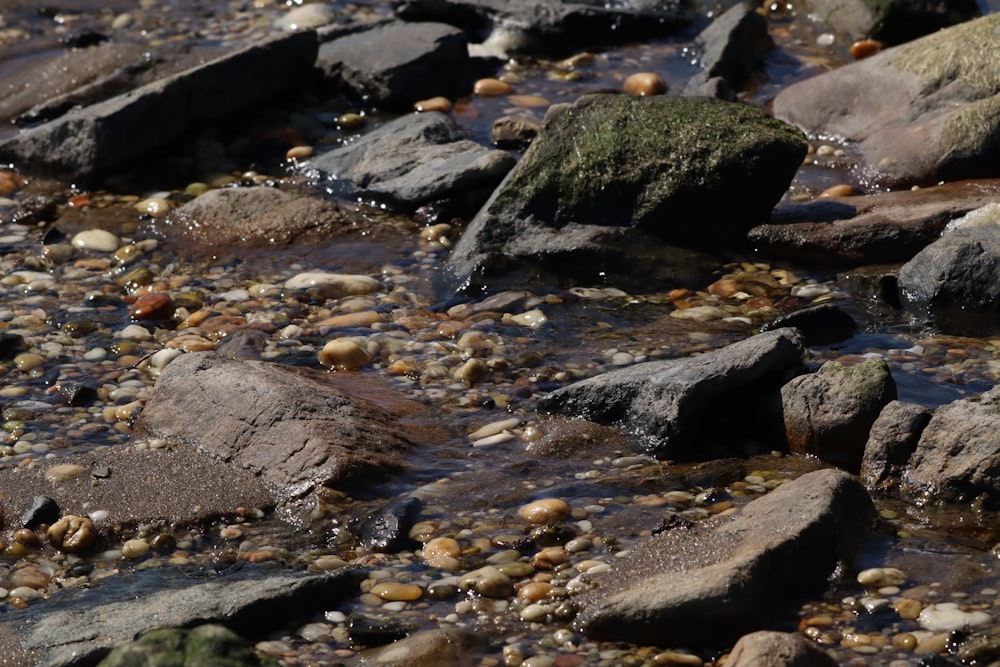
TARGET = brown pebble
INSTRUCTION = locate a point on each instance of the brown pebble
(904, 641)
(395, 591)
(442, 546)
(155, 306)
(442, 104)
(645, 83)
(72, 534)
(546, 510)
(534, 591)
(865, 48)
(492, 88)
(842, 190)
(529, 101)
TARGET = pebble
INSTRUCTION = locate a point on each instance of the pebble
(133, 549)
(154, 206)
(306, 16)
(343, 354)
(487, 581)
(842, 190)
(98, 240)
(877, 577)
(392, 591)
(339, 283)
(534, 591)
(645, 83)
(28, 361)
(493, 440)
(865, 48)
(350, 121)
(299, 153)
(700, 313)
(63, 471)
(72, 534)
(328, 562)
(493, 428)
(948, 616)
(491, 88)
(677, 658)
(546, 510)
(442, 546)
(153, 306)
(442, 104)
(535, 612)
(529, 101)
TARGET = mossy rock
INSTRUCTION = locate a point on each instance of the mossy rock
(679, 168)
(205, 646)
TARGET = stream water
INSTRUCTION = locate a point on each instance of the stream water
(75, 333)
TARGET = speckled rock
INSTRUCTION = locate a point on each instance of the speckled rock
(829, 413)
(919, 113)
(709, 584)
(777, 649)
(671, 409)
(562, 210)
(295, 428)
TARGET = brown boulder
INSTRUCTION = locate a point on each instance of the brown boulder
(295, 428)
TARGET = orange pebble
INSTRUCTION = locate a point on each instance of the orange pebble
(842, 190)
(492, 88)
(645, 83)
(442, 104)
(155, 306)
(865, 48)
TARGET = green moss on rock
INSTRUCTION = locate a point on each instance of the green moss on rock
(662, 164)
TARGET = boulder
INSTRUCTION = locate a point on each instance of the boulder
(397, 64)
(138, 486)
(690, 408)
(919, 113)
(890, 21)
(94, 140)
(295, 428)
(256, 216)
(767, 648)
(707, 584)
(892, 440)
(208, 644)
(824, 324)
(829, 413)
(957, 459)
(551, 26)
(413, 160)
(647, 175)
(954, 280)
(72, 628)
(882, 227)
(729, 48)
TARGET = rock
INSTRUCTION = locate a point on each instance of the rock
(61, 632)
(293, 427)
(884, 227)
(891, 441)
(96, 139)
(207, 644)
(829, 413)
(730, 47)
(144, 485)
(824, 324)
(767, 648)
(893, 22)
(687, 408)
(255, 216)
(918, 114)
(413, 160)
(552, 26)
(388, 529)
(956, 459)
(953, 281)
(707, 585)
(396, 64)
(443, 647)
(514, 132)
(561, 209)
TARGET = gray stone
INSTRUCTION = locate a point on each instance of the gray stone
(255, 216)
(96, 139)
(208, 644)
(295, 428)
(397, 64)
(415, 159)
(882, 227)
(552, 25)
(957, 459)
(515, 131)
(954, 281)
(73, 629)
(824, 324)
(689, 408)
(890, 21)
(891, 442)
(767, 648)
(444, 647)
(829, 413)
(730, 47)
(144, 486)
(918, 114)
(710, 583)
(650, 174)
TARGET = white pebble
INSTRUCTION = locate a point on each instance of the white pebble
(947, 616)
(96, 239)
(493, 440)
(494, 428)
(342, 283)
(135, 332)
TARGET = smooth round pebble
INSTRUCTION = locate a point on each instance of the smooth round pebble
(546, 510)
(392, 591)
(948, 616)
(442, 104)
(136, 548)
(535, 612)
(488, 581)
(491, 88)
(343, 354)
(99, 240)
(442, 546)
(645, 83)
(877, 577)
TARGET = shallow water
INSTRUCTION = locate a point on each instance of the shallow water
(585, 328)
